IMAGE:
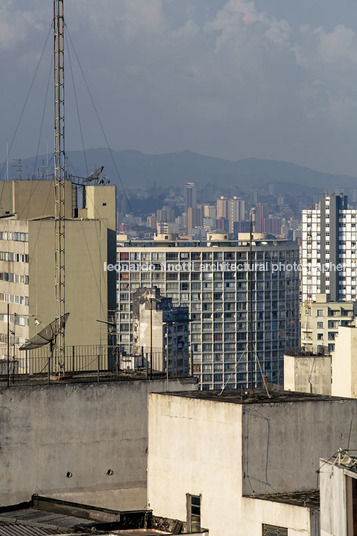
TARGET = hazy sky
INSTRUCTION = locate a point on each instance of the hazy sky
(234, 79)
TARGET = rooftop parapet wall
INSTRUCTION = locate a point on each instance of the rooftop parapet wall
(81, 441)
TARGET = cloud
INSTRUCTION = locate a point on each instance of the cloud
(320, 47)
(232, 80)
(236, 14)
(329, 60)
(114, 20)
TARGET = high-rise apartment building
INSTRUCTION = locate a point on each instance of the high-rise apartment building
(27, 260)
(194, 218)
(236, 212)
(329, 250)
(212, 279)
(190, 195)
(222, 207)
(165, 215)
(261, 215)
(210, 211)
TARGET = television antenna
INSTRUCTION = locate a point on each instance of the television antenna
(59, 175)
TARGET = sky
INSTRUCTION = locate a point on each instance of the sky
(235, 79)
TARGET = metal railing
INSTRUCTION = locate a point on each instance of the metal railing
(81, 358)
(39, 364)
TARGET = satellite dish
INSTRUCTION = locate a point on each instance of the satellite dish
(95, 175)
(47, 335)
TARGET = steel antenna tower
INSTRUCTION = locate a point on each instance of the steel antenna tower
(59, 177)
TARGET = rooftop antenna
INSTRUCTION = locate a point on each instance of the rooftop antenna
(20, 166)
(7, 160)
(59, 175)
(251, 298)
(47, 155)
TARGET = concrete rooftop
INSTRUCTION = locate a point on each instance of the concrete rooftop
(310, 499)
(45, 516)
(260, 396)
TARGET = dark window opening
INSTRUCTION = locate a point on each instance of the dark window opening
(193, 513)
(273, 530)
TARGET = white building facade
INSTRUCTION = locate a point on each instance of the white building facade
(249, 463)
(329, 252)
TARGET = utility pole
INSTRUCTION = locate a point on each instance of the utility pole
(151, 338)
(251, 298)
(59, 176)
(8, 344)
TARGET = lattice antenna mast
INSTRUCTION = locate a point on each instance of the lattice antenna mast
(59, 175)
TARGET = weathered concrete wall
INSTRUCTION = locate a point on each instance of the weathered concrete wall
(48, 431)
(282, 442)
(344, 363)
(333, 503)
(86, 283)
(33, 199)
(308, 374)
(195, 447)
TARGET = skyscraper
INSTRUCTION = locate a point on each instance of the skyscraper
(261, 215)
(190, 196)
(194, 218)
(222, 207)
(329, 245)
(236, 211)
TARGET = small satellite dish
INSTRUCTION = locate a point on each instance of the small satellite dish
(95, 175)
(47, 335)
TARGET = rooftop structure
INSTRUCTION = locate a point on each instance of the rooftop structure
(27, 262)
(249, 461)
(338, 485)
(161, 332)
(335, 374)
(44, 516)
(307, 372)
(82, 439)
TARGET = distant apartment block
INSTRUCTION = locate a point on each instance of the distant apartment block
(261, 215)
(194, 218)
(329, 259)
(232, 210)
(320, 321)
(211, 278)
(222, 207)
(236, 212)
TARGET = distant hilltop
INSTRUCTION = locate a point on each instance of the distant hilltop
(139, 170)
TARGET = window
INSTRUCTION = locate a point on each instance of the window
(194, 513)
(319, 312)
(272, 530)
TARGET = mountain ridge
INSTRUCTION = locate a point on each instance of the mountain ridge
(138, 169)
